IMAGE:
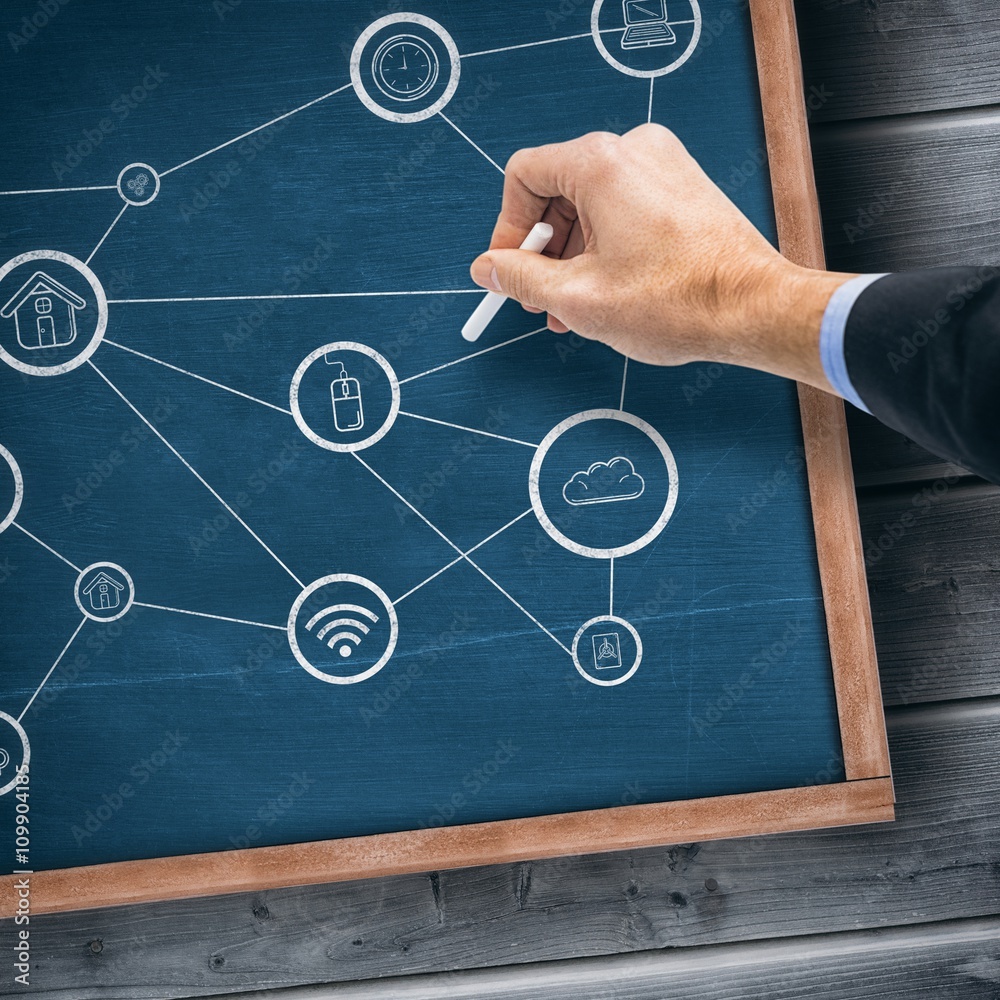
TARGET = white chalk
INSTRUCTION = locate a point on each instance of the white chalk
(537, 240)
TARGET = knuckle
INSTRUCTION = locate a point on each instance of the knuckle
(515, 282)
(518, 161)
(654, 132)
(602, 153)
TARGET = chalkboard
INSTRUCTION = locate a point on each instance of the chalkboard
(296, 584)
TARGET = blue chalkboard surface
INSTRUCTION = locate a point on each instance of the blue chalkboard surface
(288, 560)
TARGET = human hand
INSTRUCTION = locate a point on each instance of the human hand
(651, 258)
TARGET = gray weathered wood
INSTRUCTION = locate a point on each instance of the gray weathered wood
(909, 193)
(933, 559)
(958, 959)
(938, 861)
(887, 57)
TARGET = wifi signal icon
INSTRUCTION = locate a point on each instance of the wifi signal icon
(348, 632)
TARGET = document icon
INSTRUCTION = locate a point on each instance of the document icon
(607, 651)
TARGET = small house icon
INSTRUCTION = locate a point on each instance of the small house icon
(45, 313)
(99, 590)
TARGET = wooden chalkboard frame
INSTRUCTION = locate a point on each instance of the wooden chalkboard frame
(866, 794)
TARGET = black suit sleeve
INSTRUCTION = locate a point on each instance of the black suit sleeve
(923, 352)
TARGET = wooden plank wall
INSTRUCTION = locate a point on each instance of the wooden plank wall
(907, 144)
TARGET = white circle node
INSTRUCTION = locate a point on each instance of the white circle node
(15, 504)
(424, 86)
(102, 312)
(390, 611)
(338, 446)
(91, 606)
(645, 74)
(610, 620)
(136, 191)
(26, 755)
(590, 551)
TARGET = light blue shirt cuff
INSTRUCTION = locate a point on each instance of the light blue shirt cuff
(831, 337)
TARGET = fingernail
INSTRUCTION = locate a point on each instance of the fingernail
(485, 274)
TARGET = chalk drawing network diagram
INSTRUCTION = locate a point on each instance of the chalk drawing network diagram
(345, 397)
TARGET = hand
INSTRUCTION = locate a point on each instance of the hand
(650, 257)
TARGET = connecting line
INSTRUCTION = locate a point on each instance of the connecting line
(49, 547)
(470, 430)
(309, 295)
(201, 614)
(469, 357)
(76, 632)
(621, 404)
(273, 121)
(200, 378)
(649, 117)
(459, 559)
(194, 472)
(611, 599)
(526, 45)
(479, 149)
(99, 187)
(462, 555)
(552, 41)
(107, 234)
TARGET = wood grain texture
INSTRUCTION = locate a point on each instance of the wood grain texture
(933, 559)
(593, 831)
(938, 861)
(845, 594)
(835, 511)
(887, 57)
(883, 457)
(957, 960)
(589, 829)
(910, 193)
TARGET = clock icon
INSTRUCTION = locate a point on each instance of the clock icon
(405, 68)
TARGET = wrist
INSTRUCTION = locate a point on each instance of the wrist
(782, 319)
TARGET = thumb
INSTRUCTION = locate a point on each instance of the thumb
(530, 278)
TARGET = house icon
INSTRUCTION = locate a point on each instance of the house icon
(45, 313)
(102, 596)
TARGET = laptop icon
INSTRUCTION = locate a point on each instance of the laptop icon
(646, 24)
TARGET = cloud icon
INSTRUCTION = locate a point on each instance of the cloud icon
(604, 482)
